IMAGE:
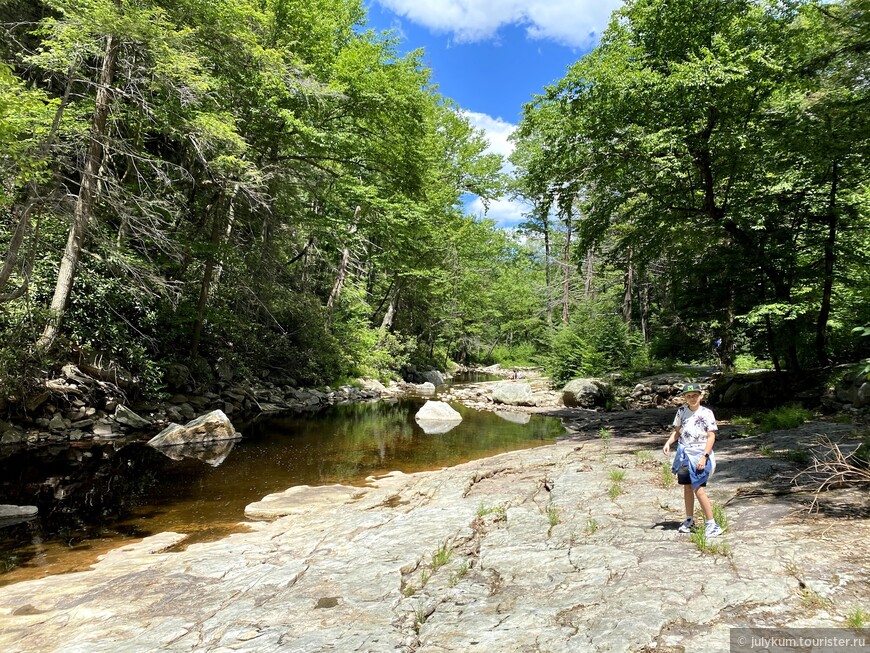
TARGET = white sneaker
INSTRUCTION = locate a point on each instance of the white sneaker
(686, 526)
(713, 530)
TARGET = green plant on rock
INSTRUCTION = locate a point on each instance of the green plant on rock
(591, 526)
(709, 546)
(857, 618)
(720, 517)
(459, 574)
(553, 515)
(441, 557)
(643, 456)
(616, 490)
(667, 478)
(813, 600)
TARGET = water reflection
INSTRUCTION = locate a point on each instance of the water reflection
(212, 453)
(93, 495)
(436, 426)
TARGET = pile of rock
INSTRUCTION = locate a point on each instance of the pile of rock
(78, 407)
(852, 392)
(662, 390)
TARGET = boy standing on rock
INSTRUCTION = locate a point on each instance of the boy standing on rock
(695, 428)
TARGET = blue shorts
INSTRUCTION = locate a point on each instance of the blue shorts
(684, 478)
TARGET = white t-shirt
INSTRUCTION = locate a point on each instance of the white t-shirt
(694, 427)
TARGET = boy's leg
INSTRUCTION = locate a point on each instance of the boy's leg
(689, 500)
(701, 493)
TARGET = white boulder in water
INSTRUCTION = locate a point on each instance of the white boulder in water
(437, 411)
(211, 427)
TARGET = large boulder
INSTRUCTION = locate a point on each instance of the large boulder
(434, 377)
(437, 411)
(513, 394)
(426, 388)
(124, 415)
(584, 393)
(211, 427)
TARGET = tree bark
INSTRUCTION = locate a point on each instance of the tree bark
(566, 273)
(342, 268)
(588, 290)
(211, 264)
(86, 198)
(828, 282)
(545, 227)
(644, 305)
(390, 315)
(627, 290)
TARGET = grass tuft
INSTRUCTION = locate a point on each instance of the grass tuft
(459, 574)
(709, 547)
(667, 476)
(441, 557)
(857, 618)
(553, 515)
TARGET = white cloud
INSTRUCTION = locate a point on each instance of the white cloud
(496, 130)
(576, 23)
(505, 212)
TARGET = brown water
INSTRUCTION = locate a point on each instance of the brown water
(97, 496)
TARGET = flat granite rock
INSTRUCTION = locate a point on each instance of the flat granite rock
(300, 500)
(523, 551)
(17, 512)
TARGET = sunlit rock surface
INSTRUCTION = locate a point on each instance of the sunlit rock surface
(525, 551)
(211, 427)
(437, 411)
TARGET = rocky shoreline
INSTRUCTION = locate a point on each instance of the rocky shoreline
(526, 551)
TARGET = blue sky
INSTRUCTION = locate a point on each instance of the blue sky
(492, 56)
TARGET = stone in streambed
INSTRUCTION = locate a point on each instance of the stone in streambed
(211, 427)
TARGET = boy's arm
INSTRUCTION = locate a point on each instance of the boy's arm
(675, 434)
(708, 449)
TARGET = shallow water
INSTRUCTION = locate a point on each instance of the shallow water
(94, 497)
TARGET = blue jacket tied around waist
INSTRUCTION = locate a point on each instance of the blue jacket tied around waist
(685, 459)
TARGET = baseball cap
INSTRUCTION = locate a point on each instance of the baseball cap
(692, 387)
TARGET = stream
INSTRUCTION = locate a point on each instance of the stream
(96, 496)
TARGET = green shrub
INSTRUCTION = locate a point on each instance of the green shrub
(594, 343)
(784, 417)
(747, 362)
(521, 355)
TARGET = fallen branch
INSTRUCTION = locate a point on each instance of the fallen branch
(832, 468)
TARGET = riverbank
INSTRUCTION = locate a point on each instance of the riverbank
(529, 550)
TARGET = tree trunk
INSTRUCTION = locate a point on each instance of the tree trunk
(828, 281)
(390, 315)
(545, 222)
(566, 273)
(627, 290)
(644, 306)
(211, 263)
(342, 268)
(86, 198)
(728, 346)
(588, 291)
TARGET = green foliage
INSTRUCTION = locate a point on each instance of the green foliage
(857, 618)
(522, 355)
(784, 417)
(592, 344)
(711, 546)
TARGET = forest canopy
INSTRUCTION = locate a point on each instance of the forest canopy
(272, 187)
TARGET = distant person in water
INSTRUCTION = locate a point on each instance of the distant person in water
(695, 432)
